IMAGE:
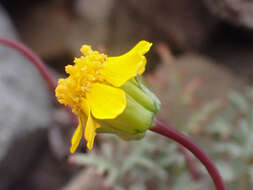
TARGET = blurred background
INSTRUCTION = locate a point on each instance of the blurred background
(200, 66)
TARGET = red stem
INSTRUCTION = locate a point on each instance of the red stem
(51, 82)
(39, 64)
(159, 128)
(190, 163)
(171, 133)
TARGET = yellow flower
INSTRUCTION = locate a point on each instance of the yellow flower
(94, 88)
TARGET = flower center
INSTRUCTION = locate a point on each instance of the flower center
(85, 72)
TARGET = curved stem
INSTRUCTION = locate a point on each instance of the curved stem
(171, 133)
(159, 128)
(190, 163)
(51, 82)
(39, 64)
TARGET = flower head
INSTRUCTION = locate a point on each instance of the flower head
(96, 90)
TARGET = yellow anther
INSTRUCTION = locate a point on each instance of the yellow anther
(86, 50)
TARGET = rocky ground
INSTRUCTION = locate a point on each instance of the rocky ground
(209, 40)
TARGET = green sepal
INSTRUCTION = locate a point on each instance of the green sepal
(157, 103)
(131, 124)
(125, 136)
(139, 114)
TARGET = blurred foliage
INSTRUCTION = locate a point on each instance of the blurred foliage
(229, 137)
(223, 128)
(150, 162)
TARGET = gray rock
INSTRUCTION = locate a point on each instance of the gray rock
(184, 23)
(6, 27)
(239, 12)
(116, 26)
(25, 109)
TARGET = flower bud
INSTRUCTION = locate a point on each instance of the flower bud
(138, 116)
(107, 94)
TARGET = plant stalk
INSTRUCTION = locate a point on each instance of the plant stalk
(39, 64)
(171, 133)
(190, 162)
(35, 60)
(159, 127)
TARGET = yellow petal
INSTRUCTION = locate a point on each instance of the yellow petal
(85, 107)
(90, 131)
(106, 102)
(91, 124)
(76, 137)
(120, 69)
(142, 47)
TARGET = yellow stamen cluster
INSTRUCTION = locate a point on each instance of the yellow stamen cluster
(82, 75)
